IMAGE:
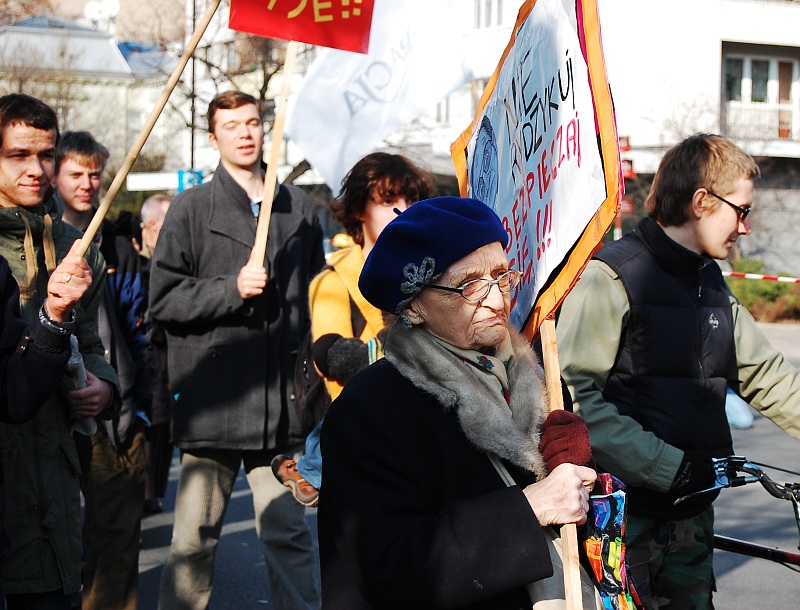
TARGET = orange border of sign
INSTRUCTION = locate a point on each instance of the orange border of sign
(590, 239)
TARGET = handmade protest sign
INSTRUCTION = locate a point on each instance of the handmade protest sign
(339, 24)
(542, 151)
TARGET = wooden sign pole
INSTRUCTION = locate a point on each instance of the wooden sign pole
(270, 180)
(569, 531)
(136, 148)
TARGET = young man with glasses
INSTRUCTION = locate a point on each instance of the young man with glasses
(649, 341)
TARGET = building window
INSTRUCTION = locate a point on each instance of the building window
(759, 77)
(135, 120)
(443, 111)
(760, 97)
(757, 80)
(734, 70)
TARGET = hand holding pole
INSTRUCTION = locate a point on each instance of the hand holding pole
(569, 531)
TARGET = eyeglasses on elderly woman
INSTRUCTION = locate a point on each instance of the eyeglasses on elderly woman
(477, 290)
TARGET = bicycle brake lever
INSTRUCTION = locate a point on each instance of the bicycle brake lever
(755, 473)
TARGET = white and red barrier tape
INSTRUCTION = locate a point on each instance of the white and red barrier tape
(758, 276)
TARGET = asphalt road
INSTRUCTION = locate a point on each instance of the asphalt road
(748, 513)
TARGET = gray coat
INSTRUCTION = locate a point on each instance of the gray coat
(231, 361)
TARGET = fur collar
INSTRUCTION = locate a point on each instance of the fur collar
(489, 424)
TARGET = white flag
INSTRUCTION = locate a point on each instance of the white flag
(348, 102)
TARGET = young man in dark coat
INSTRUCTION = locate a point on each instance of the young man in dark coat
(112, 459)
(233, 328)
(40, 462)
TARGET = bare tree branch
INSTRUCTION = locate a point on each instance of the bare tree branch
(297, 171)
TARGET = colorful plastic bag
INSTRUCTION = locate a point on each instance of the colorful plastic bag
(602, 539)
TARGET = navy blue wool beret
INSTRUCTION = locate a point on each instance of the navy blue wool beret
(422, 243)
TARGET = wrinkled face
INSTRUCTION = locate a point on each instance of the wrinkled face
(238, 136)
(79, 184)
(27, 159)
(720, 225)
(378, 213)
(447, 315)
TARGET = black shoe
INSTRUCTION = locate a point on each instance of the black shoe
(153, 505)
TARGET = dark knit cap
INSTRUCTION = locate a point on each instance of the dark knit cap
(422, 243)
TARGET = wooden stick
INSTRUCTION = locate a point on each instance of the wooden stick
(136, 148)
(262, 229)
(552, 369)
(569, 531)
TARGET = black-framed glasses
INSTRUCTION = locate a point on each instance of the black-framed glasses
(743, 212)
(477, 290)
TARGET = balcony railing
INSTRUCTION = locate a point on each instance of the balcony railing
(755, 121)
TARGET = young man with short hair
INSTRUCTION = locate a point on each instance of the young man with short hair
(233, 329)
(113, 459)
(649, 340)
(40, 462)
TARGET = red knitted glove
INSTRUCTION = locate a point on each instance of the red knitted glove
(565, 440)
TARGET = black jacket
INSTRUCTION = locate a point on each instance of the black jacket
(32, 359)
(412, 514)
(32, 364)
(231, 361)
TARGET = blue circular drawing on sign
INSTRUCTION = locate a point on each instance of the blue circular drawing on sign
(483, 174)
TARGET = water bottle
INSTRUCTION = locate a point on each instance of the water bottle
(75, 379)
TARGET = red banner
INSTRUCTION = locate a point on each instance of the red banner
(339, 24)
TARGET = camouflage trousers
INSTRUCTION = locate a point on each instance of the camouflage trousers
(671, 562)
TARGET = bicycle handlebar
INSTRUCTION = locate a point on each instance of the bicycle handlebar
(727, 475)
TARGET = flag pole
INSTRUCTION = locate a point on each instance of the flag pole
(569, 531)
(137, 146)
(270, 180)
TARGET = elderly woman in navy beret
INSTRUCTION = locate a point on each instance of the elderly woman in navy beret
(415, 512)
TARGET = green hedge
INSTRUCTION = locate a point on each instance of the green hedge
(767, 300)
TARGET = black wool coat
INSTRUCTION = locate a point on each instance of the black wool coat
(231, 361)
(412, 514)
